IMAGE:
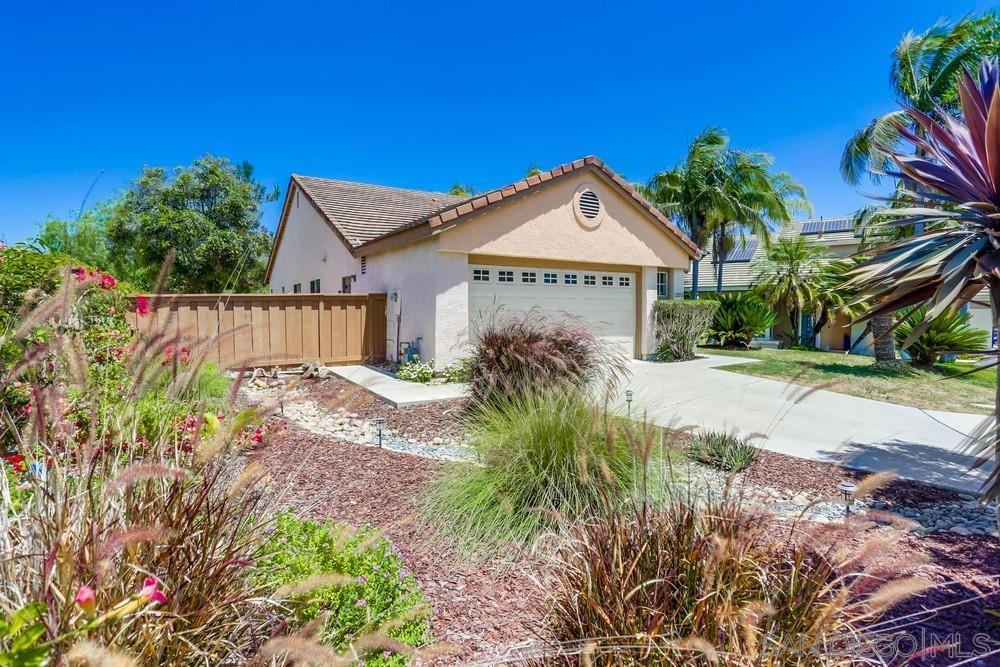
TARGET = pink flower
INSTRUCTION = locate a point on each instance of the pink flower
(86, 600)
(79, 272)
(360, 603)
(141, 305)
(362, 579)
(150, 591)
(107, 281)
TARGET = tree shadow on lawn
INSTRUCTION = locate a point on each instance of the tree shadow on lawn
(935, 466)
(870, 370)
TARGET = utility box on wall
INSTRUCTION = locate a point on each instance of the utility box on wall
(392, 322)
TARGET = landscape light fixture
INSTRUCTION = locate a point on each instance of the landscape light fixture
(628, 400)
(847, 489)
(378, 421)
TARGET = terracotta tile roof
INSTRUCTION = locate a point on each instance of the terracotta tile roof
(363, 212)
(484, 199)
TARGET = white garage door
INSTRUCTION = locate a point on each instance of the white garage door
(605, 300)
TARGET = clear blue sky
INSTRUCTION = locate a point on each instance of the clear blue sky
(423, 95)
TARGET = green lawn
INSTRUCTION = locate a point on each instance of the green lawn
(932, 389)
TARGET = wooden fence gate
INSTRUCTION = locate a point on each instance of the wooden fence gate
(274, 329)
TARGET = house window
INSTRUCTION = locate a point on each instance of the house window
(589, 279)
(505, 276)
(569, 278)
(314, 286)
(364, 264)
(528, 277)
(481, 275)
(624, 281)
(661, 285)
(550, 279)
(297, 288)
(607, 281)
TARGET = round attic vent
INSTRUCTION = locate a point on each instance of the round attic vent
(590, 205)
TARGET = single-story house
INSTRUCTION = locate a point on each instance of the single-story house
(840, 238)
(577, 239)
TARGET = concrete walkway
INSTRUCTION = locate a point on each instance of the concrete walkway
(398, 393)
(813, 424)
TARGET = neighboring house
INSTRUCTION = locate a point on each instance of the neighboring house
(577, 239)
(836, 234)
(841, 239)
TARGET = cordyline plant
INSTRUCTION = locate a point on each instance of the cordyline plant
(950, 186)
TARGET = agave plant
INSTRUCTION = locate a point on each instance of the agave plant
(951, 186)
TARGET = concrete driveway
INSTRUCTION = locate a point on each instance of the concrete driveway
(819, 425)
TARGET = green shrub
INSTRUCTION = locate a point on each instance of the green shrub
(416, 370)
(543, 455)
(679, 326)
(458, 371)
(740, 318)
(949, 332)
(372, 592)
(726, 451)
(22, 270)
(517, 351)
(696, 581)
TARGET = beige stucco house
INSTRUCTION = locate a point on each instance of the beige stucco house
(575, 240)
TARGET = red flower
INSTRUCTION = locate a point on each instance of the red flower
(107, 281)
(141, 305)
(79, 272)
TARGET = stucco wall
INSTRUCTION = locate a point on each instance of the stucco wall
(433, 298)
(543, 225)
(310, 249)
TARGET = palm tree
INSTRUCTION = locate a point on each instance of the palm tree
(691, 193)
(923, 73)
(831, 297)
(756, 202)
(788, 278)
(951, 185)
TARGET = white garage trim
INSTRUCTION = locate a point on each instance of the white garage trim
(605, 296)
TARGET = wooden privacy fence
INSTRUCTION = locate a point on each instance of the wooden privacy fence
(274, 329)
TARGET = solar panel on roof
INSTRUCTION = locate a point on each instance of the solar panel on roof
(838, 225)
(740, 253)
(812, 227)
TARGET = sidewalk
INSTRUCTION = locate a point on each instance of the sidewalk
(398, 393)
(820, 425)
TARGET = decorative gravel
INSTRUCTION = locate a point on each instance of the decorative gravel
(297, 406)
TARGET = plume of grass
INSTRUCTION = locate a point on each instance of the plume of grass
(543, 454)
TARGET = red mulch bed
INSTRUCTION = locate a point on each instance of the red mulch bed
(477, 608)
(482, 609)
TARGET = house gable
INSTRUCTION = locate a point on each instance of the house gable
(307, 247)
(546, 223)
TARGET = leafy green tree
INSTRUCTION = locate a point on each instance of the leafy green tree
(533, 170)
(691, 193)
(788, 278)
(84, 239)
(923, 75)
(208, 214)
(755, 201)
(721, 191)
(462, 190)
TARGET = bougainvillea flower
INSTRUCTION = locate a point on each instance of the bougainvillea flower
(79, 272)
(107, 281)
(141, 305)
(86, 600)
(150, 591)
